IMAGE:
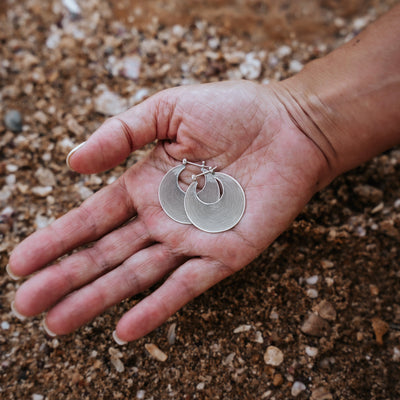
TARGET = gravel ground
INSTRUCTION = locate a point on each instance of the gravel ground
(316, 316)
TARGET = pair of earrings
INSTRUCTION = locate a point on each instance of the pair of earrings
(209, 210)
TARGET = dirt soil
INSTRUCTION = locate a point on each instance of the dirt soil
(316, 316)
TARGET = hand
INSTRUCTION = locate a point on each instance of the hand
(242, 128)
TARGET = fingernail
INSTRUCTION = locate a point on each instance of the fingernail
(48, 331)
(72, 152)
(11, 275)
(17, 313)
(117, 339)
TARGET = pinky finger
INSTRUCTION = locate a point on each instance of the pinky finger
(187, 282)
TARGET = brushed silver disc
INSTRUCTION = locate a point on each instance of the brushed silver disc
(171, 196)
(220, 215)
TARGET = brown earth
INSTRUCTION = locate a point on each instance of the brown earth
(339, 261)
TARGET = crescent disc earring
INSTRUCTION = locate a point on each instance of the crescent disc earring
(171, 196)
(218, 216)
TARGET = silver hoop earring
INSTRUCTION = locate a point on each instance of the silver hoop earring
(218, 216)
(171, 196)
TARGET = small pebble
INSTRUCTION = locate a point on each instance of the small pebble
(13, 121)
(297, 388)
(273, 356)
(295, 66)
(72, 6)
(326, 310)
(42, 191)
(267, 394)
(36, 396)
(374, 290)
(5, 325)
(311, 351)
(118, 364)
(242, 328)
(258, 337)
(312, 293)
(201, 386)
(109, 103)
(274, 315)
(155, 352)
(321, 393)
(172, 334)
(380, 328)
(277, 380)
(327, 264)
(314, 325)
(312, 280)
(228, 359)
(85, 192)
(45, 177)
(284, 51)
(369, 194)
(396, 354)
(251, 67)
(140, 394)
(11, 168)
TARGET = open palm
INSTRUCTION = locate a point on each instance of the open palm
(239, 127)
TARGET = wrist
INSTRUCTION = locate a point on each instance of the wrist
(347, 102)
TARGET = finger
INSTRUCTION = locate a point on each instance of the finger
(187, 282)
(137, 274)
(119, 136)
(98, 215)
(46, 288)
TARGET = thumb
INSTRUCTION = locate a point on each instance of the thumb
(119, 136)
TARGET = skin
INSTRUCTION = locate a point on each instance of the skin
(282, 142)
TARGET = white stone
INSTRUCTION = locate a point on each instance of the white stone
(67, 143)
(7, 211)
(311, 351)
(396, 354)
(109, 103)
(297, 388)
(45, 177)
(295, 66)
(140, 394)
(11, 179)
(11, 168)
(312, 293)
(53, 40)
(312, 280)
(72, 6)
(5, 325)
(251, 67)
(273, 356)
(42, 191)
(258, 337)
(360, 23)
(36, 396)
(242, 328)
(139, 96)
(201, 386)
(118, 364)
(85, 192)
(284, 51)
(42, 221)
